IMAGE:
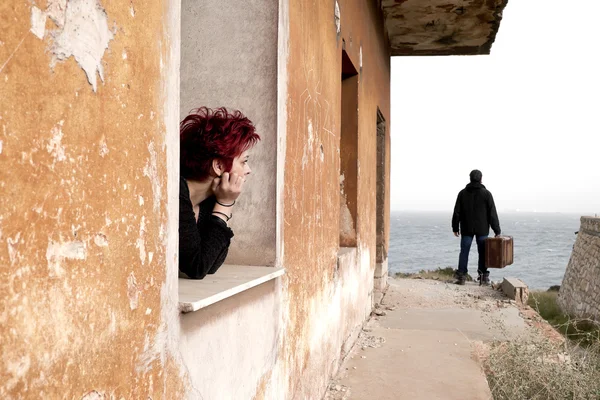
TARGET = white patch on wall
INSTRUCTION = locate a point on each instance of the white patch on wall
(56, 11)
(309, 144)
(311, 135)
(1, 146)
(84, 36)
(133, 293)
(55, 147)
(101, 240)
(12, 252)
(57, 252)
(141, 241)
(93, 395)
(338, 24)
(103, 151)
(38, 22)
(151, 171)
(360, 58)
(16, 369)
(113, 322)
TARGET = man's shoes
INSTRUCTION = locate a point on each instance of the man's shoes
(461, 278)
(484, 279)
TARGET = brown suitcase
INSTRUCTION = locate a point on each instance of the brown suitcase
(499, 251)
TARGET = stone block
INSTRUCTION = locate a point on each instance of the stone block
(516, 290)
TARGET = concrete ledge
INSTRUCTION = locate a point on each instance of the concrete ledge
(227, 282)
(516, 290)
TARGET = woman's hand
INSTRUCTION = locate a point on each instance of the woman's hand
(228, 187)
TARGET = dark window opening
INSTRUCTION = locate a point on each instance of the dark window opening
(348, 153)
(381, 250)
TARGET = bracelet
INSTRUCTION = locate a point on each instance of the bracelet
(226, 205)
(228, 217)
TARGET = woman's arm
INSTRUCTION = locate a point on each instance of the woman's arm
(200, 254)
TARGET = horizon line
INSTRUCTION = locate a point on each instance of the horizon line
(511, 211)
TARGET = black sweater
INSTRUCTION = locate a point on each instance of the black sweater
(475, 212)
(203, 245)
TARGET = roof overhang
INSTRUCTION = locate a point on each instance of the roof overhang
(442, 27)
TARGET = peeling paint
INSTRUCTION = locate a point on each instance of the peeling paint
(55, 147)
(151, 172)
(66, 318)
(433, 27)
(57, 252)
(103, 150)
(100, 240)
(360, 61)
(12, 252)
(338, 25)
(133, 293)
(56, 11)
(85, 36)
(141, 241)
(17, 368)
(113, 323)
(38, 22)
(93, 395)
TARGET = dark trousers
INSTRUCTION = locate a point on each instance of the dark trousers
(465, 248)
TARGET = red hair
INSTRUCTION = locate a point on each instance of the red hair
(207, 134)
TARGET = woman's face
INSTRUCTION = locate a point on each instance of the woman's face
(240, 165)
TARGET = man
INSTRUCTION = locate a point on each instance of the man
(474, 213)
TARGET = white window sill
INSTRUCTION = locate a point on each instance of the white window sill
(227, 282)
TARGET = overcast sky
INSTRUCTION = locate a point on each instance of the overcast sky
(527, 116)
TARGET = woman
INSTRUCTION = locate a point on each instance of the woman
(214, 167)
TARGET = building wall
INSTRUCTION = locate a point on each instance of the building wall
(580, 290)
(290, 336)
(229, 58)
(328, 294)
(230, 347)
(88, 216)
(88, 213)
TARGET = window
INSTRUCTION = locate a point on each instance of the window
(237, 71)
(348, 153)
(381, 267)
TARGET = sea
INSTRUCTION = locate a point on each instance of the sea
(542, 245)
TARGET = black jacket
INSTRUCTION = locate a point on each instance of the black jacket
(475, 212)
(203, 245)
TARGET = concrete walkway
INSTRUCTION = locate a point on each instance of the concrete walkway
(426, 344)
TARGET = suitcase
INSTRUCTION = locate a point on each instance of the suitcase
(499, 251)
